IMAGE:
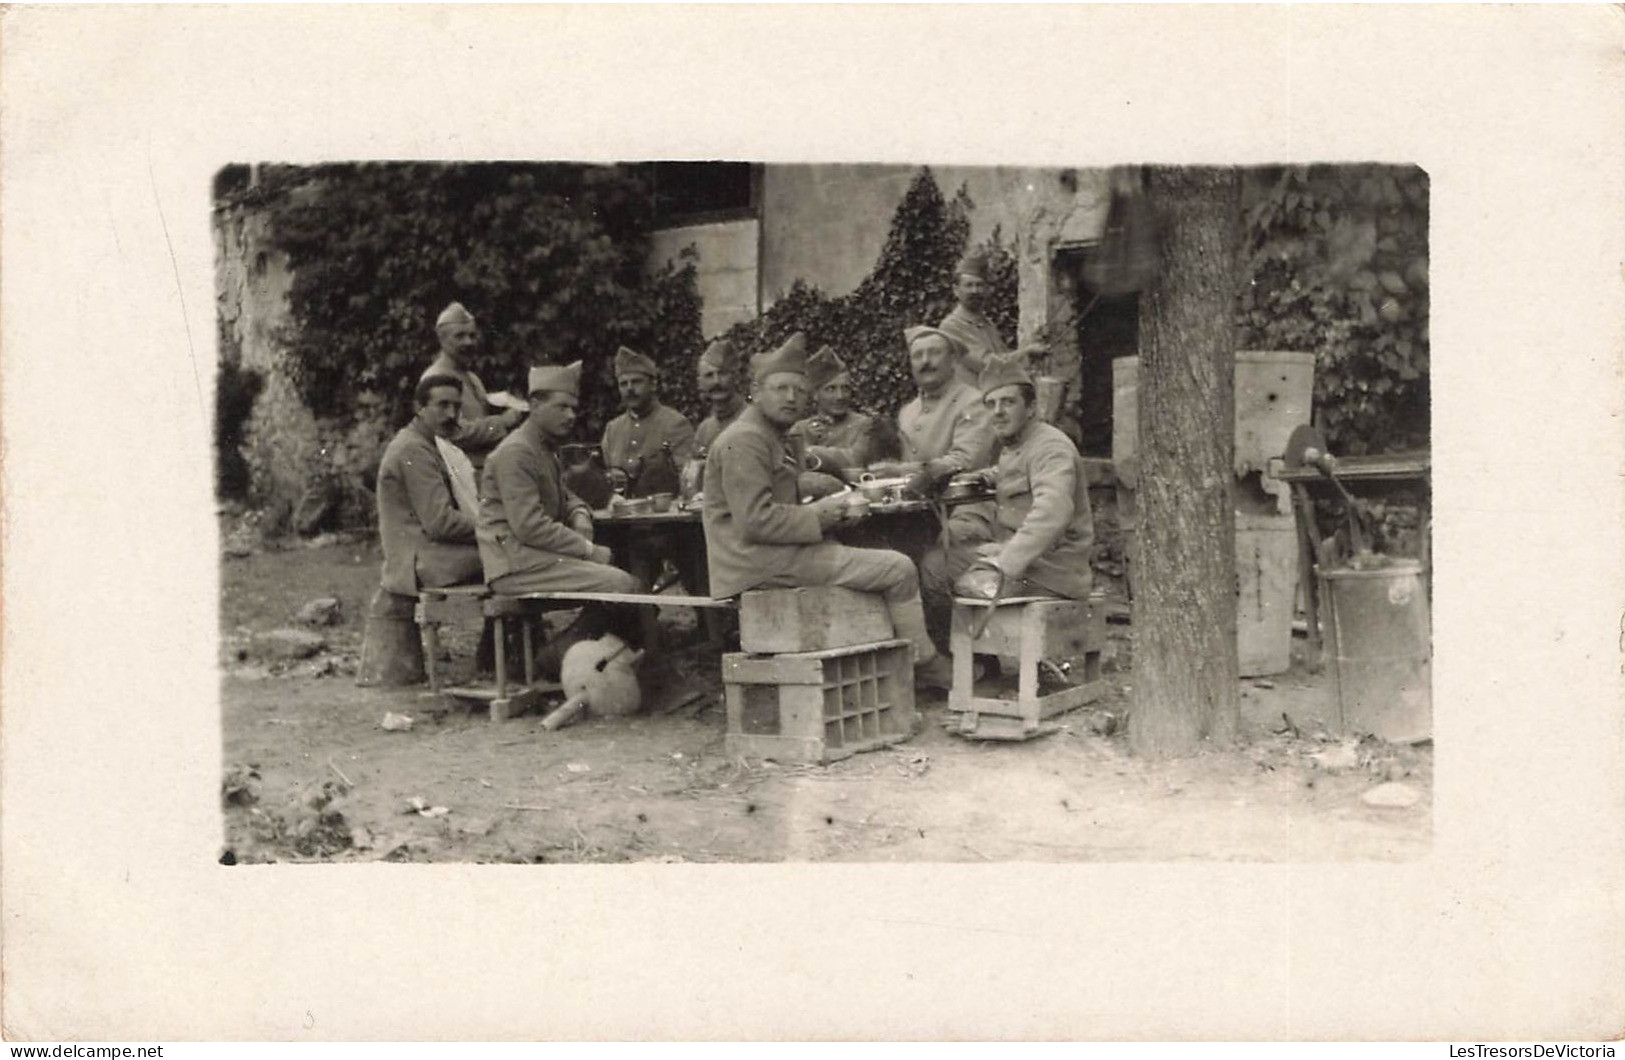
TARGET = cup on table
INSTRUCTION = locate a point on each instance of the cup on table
(661, 502)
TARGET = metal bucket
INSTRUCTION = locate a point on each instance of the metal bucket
(1379, 638)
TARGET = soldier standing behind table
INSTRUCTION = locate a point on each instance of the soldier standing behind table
(967, 323)
(479, 430)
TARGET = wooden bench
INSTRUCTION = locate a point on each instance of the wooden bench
(505, 699)
(1032, 629)
(570, 599)
(508, 698)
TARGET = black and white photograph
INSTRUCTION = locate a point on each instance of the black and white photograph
(823, 512)
(574, 523)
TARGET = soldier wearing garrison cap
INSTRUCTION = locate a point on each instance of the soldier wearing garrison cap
(1038, 539)
(479, 430)
(646, 425)
(834, 423)
(967, 322)
(630, 439)
(757, 533)
(534, 534)
(945, 426)
(717, 374)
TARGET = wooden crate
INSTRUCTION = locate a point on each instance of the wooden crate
(819, 706)
(1031, 630)
(811, 618)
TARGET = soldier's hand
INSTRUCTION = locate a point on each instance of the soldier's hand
(830, 510)
(581, 523)
(602, 554)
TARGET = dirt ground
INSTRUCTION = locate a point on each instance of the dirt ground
(311, 774)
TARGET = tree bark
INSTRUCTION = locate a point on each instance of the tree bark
(1185, 680)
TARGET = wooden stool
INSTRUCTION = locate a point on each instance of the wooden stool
(504, 700)
(1031, 629)
(432, 611)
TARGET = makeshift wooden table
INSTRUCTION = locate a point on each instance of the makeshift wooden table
(683, 535)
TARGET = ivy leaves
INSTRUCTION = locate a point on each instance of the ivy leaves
(549, 257)
(912, 283)
(1338, 265)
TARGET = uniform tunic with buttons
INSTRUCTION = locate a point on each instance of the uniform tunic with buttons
(630, 437)
(851, 434)
(428, 539)
(478, 431)
(710, 428)
(952, 425)
(1043, 520)
(977, 335)
(525, 509)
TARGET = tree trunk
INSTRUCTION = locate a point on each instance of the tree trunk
(1185, 680)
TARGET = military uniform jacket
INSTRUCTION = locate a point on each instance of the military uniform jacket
(478, 431)
(711, 428)
(1043, 520)
(418, 518)
(954, 424)
(629, 437)
(977, 334)
(851, 435)
(525, 509)
(755, 529)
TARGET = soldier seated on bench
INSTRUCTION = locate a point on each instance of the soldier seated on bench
(427, 530)
(535, 536)
(1038, 538)
(757, 535)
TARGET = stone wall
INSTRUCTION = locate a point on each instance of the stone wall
(826, 224)
(285, 447)
(726, 272)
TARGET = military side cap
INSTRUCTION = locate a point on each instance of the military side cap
(823, 367)
(791, 357)
(565, 378)
(631, 362)
(920, 331)
(973, 264)
(453, 314)
(1002, 370)
(721, 356)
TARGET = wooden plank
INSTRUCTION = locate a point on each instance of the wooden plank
(778, 748)
(1070, 698)
(742, 669)
(486, 693)
(650, 599)
(476, 592)
(1354, 468)
(811, 618)
(524, 701)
